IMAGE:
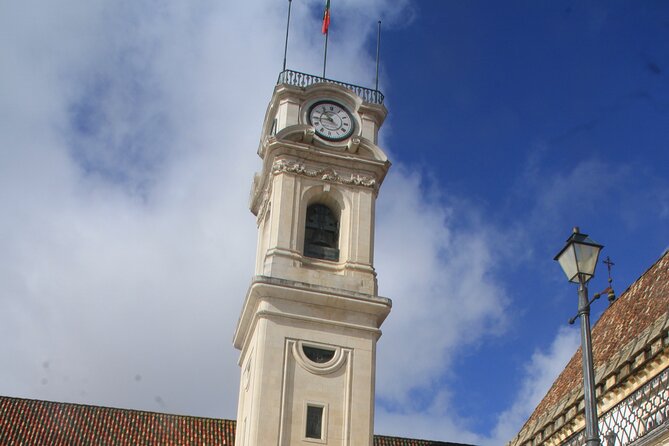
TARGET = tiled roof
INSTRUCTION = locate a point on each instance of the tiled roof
(35, 423)
(629, 333)
(32, 422)
(382, 440)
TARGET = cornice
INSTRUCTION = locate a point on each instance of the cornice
(356, 147)
(326, 174)
(262, 287)
(288, 153)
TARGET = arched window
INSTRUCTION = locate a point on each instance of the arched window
(321, 233)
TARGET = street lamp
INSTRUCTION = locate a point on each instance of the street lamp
(578, 260)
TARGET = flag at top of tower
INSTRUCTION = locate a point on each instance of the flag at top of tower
(326, 18)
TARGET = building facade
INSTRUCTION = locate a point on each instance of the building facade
(631, 357)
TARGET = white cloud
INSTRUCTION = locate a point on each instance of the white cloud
(124, 261)
(436, 264)
(439, 421)
(539, 375)
(127, 144)
(444, 298)
(125, 255)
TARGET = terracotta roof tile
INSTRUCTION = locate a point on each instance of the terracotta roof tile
(33, 422)
(625, 329)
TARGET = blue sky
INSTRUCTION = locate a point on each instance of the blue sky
(127, 148)
(536, 117)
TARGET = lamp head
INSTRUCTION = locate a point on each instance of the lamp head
(579, 256)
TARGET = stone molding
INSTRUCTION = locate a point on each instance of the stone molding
(341, 355)
(265, 288)
(325, 174)
(342, 358)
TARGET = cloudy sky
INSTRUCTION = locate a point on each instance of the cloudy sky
(128, 137)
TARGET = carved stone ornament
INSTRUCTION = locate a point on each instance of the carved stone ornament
(325, 174)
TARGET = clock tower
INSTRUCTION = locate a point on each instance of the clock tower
(312, 314)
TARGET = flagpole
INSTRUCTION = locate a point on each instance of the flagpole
(378, 47)
(285, 51)
(326, 30)
(325, 57)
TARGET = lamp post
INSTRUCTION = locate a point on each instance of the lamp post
(578, 260)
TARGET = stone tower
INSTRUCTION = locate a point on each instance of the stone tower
(311, 317)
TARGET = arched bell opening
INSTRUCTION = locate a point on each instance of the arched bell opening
(321, 233)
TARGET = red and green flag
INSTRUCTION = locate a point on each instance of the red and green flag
(326, 18)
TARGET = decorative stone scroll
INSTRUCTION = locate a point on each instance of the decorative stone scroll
(325, 174)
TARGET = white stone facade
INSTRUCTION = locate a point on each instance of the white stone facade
(296, 303)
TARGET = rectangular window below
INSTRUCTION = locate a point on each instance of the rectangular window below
(314, 422)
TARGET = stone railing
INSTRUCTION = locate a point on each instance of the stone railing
(298, 79)
(635, 417)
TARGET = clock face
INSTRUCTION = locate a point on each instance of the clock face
(331, 120)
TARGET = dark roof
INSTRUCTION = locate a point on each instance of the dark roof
(627, 335)
(35, 422)
(382, 440)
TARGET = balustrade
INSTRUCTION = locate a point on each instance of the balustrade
(635, 417)
(298, 79)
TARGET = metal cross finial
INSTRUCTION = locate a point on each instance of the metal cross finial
(611, 294)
